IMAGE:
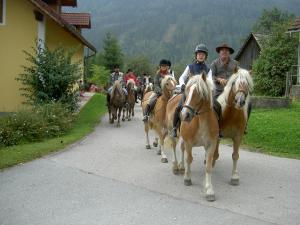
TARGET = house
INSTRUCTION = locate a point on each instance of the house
(250, 50)
(22, 22)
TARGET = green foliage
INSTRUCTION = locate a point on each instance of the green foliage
(140, 64)
(277, 57)
(83, 124)
(112, 52)
(269, 19)
(51, 77)
(275, 131)
(99, 75)
(42, 121)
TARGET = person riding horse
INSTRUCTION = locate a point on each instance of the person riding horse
(163, 71)
(222, 68)
(116, 75)
(199, 66)
(130, 75)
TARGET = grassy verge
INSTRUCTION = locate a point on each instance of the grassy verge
(88, 117)
(275, 131)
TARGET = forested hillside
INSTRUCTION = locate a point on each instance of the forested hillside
(172, 28)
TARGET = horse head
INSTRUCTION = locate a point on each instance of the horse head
(198, 97)
(130, 84)
(237, 89)
(168, 85)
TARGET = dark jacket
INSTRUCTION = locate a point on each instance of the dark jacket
(157, 81)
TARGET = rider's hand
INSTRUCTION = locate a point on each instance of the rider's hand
(182, 88)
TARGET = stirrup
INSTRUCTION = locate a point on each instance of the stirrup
(145, 118)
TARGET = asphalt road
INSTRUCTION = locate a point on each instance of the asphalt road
(109, 178)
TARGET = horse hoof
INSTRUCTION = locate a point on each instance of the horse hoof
(123, 119)
(158, 152)
(164, 160)
(111, 122)
(187, 182)
(148, 147)
(234, 182)
(182, 171)
(129, 119)
(175, 171)
(210, 198)
(155, 144)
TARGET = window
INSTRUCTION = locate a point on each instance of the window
(2, 12)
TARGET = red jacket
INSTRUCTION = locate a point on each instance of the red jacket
(131, 76)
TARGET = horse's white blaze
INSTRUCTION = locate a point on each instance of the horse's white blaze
(189, 99)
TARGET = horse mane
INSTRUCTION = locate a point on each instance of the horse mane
(165, 79)
(117, 86)
(130, 81)
(241, 77)
(203, 87)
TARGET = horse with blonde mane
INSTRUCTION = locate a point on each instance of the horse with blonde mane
(130, 99)
(234, 102)
(117, 103)
(199, 127)
(157, 120)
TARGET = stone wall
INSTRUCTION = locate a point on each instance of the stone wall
(270, 102)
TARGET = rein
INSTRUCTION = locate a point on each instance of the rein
(194, 112)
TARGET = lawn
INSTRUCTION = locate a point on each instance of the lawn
(87, 119)
(275, 131)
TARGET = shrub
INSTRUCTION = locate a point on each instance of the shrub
(42, 121)
(99, 75)
(51, 77)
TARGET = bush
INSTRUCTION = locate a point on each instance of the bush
(51, 77)
(48, 120)
(99, 76)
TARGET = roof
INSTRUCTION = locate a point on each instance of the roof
(63, 2)
(46, 9)
(257, 37)
(295, 26)
(82, 20)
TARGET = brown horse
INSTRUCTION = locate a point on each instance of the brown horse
(234, 102)
(117, 103)
(157, 120)
(199, 127)
(130, 99)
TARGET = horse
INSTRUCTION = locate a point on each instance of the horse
(157, 117)
(117, 103)
(234, 102)
(199, 127)
(130, 99)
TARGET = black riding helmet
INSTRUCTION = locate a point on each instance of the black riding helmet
(164, 62)
(201, 48)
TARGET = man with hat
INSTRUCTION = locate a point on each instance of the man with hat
(161, 73)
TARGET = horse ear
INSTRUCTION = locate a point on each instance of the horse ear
(250, 72)
(203, 75)
(235, 70)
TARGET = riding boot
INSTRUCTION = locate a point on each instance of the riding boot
(107, 99)
(176, 122)
(147, 112)
(218, 110)
(249, 109)
(136, 96)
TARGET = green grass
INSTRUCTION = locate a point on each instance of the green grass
(87, 119)
(275, 131)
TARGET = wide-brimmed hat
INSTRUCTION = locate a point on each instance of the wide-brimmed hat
(225, 45)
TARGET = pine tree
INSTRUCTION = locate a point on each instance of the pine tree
(112, 52)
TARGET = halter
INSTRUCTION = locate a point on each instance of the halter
(193, 111)
(239, 90)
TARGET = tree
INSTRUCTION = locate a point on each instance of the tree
(140, 64)
(99, 75)
(277, 56)
(270, 18)
(112, 52)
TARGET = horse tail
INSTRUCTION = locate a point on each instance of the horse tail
(170, 143)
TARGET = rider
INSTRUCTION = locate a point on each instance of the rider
(130, 75)
(161, 73)
(199, 66)
(171, 72)
(116, 75)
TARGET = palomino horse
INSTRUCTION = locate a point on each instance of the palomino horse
(199, 127)
(157, 120)
(117, 103)
(130, 99)
(234, 102)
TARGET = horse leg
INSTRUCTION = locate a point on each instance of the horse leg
(155, 143)
(189, 159)
(216, 153)
(146, 128)
(175, 168)
(123, 109)
(133, 111)
(181, 164)
(235, 156)
(163, 158)
(129, 114)
(119, 110)
(209, 191)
